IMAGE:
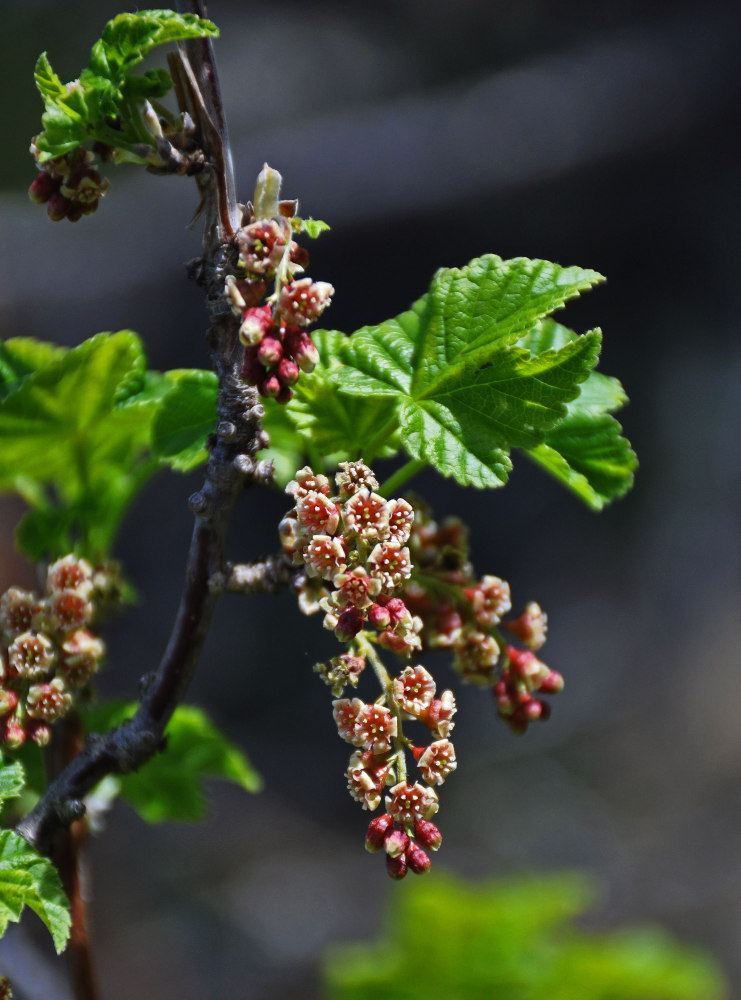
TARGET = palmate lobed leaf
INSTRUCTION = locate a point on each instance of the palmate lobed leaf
(60, 419)
(28, 879)
(185, 418)
(169, 787)
(129, 38)
(84, 109)
(585, 451)
(467, 391)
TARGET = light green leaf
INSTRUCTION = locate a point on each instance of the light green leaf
(48, 83)
(28, 879)
(586, 451)
(12, 780)
(313, 227)
(514, 940)
(20, 356)
(184, 419)
(169, 787)
(129, 38)
(323, 422)
(53, 426)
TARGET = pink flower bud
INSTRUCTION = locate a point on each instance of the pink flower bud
(288, 372)
(418, 860)
(349, 623)
(256, 324)
(379, 617)
(428, 834)
(395, 842)
(270, 386)
(396, 867)
(299, 345)
(269, 352)
(378, 827)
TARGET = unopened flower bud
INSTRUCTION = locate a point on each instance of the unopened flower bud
(269, 352)
(378, 827)
(418, 861)
(396, 867)
(427, 834)
(395, 842)
(349, 623)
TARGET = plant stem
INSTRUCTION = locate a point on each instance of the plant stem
(66, 852)
(382, 675)
(230, 469)
(401, 476)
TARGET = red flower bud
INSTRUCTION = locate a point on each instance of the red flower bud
(270, 351)
(378, 827)
(427, 834)
(395, 842)
(396, 867)
(378, 616)
(418, 860)
(43, 187)
(349, 624)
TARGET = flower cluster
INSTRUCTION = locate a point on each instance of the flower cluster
(277, 344)
(47, 651)
(69, 186)
(353, 551)
(466, 615)
(351, 547)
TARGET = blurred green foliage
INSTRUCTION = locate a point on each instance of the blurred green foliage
(514, 940)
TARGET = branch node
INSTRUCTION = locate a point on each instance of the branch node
(244, 465)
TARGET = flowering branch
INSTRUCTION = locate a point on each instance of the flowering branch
(230, 469)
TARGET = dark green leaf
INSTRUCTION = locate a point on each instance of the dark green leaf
(170, 786)
(28, 879)
(186, 416)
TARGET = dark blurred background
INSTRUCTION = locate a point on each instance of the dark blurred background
(427, 134)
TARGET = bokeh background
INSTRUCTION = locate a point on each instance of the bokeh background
(427, 133)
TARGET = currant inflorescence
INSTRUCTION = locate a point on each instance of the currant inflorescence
(48, 653)
(273, 329)
(385, 574)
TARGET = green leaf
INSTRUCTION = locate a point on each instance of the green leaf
(169, 786)
(53, 426)
(586, 451)
(325, 425)
(12, 780)
(467, 393)
(186, 416)
(129, 38)
(28, 879)
(48, 83)
(514, 940)
(76, 428)
(20, 356)
(312, 227)
(98, 105)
